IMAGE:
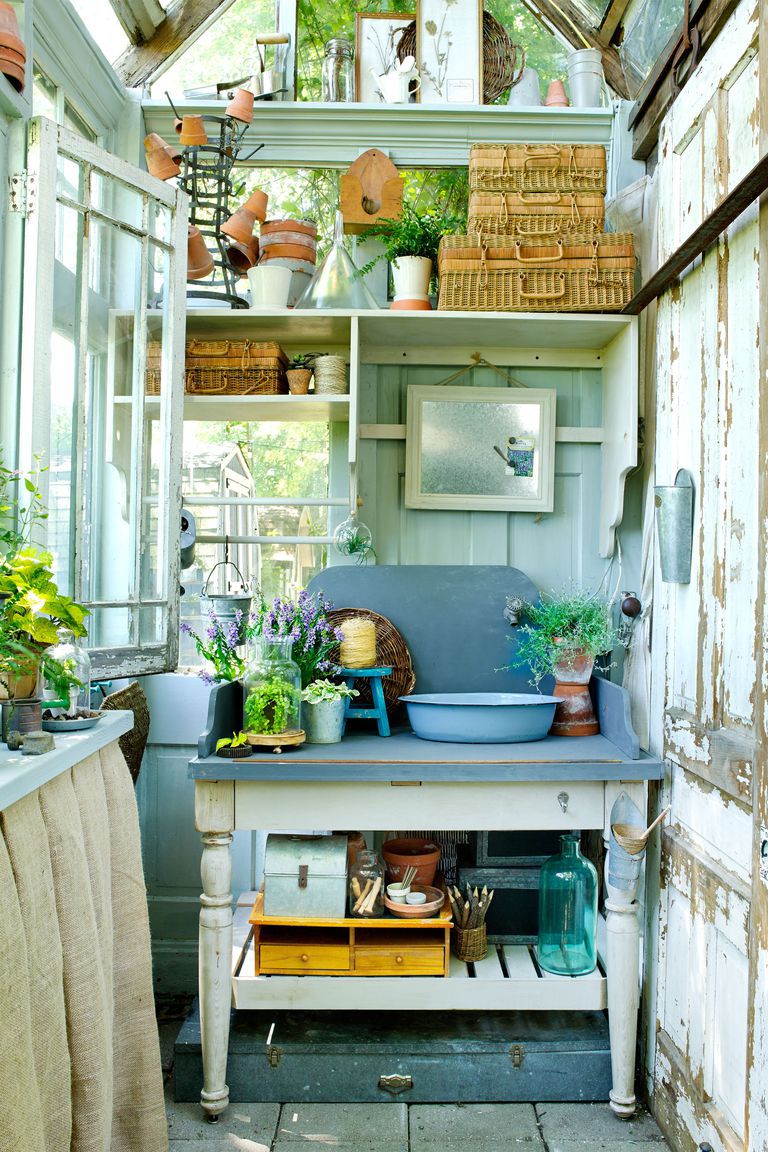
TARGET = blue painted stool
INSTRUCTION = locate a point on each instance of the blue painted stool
(379, 710)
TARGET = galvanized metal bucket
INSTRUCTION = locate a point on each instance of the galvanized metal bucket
(674, 524)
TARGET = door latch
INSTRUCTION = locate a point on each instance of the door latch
(395, 1084)
(516, 1053)
(273, 1055)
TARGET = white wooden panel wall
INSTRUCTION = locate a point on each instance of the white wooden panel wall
(705, 638)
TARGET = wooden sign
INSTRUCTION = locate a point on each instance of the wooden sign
(371, 190)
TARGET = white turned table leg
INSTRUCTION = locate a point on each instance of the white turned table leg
(214, 817)
(622, 959)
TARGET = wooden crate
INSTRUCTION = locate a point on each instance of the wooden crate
(537, 168)
(548, 214)
(225, 368)
(564, 274)
(350, 946)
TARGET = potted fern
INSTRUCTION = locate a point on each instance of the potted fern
(411, 244)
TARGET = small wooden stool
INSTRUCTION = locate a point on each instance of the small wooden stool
(379, 710)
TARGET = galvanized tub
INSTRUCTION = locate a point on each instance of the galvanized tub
(305, 877)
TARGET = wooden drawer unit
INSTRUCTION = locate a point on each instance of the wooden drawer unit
(413, 953)
(295, 950)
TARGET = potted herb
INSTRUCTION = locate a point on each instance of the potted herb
(323, 711)
(562, 637)
(411, 244)
(234, 747)
(299, 373)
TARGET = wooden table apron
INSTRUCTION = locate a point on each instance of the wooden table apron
(354, 801)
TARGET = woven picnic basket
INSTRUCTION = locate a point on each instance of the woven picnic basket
(225, 368)
(537, 168)
(544, 214)
(582, 273)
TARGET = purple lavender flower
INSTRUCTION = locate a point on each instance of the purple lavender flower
(205, 676)
(232, 635)
(185, 628)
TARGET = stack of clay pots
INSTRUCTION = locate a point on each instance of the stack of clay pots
(292, 244)
(13, 55)
(243, 249)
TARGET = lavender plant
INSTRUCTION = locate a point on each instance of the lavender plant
(305, 622)
(219, 646)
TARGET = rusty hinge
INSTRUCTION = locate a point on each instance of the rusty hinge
(395, 1084)
(516, 1053)
(22, 187)
(273, 1055)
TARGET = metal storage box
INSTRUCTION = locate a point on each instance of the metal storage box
(305, 876)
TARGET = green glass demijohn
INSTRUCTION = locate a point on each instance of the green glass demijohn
(568, 911)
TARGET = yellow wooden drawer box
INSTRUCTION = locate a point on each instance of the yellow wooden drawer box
(317, 952)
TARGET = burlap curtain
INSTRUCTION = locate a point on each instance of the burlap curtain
(79, 1054)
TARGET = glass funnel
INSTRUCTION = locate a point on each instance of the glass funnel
(337, 282)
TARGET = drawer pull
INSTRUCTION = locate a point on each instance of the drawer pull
(398, 959)
(305, 958)
(562, 799)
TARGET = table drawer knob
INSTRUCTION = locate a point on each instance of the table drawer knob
(398, 959)
(562, 799)
(305, 958)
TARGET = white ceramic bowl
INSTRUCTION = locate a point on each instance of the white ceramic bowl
(416, 898)
(398, 893)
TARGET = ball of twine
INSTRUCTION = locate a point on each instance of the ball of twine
(358, 648)
(330, 374)
(391, 651)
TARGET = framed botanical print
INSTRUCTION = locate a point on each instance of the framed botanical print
(377, 35)
(449, 52)
(489, 449)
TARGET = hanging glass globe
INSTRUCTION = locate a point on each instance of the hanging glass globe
(353, 538)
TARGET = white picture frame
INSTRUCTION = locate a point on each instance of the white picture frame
(480, 449)
(449, 52)
(376, 39)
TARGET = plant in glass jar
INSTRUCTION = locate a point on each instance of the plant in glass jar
(323, 711)
(272, 689)
(562, 637)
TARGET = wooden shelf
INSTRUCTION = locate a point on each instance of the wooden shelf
(305, 409)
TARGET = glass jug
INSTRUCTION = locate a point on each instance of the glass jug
(568, 912)
(366, 886)
(272, 689)
(338, 72)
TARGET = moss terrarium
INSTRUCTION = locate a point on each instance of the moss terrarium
(272, 690)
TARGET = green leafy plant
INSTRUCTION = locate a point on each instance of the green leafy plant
(325, 691)
(302, 360)
(560, 630)
(268, 706)
(236, 740)
(414, 234)
(60, 678)
(357, 543)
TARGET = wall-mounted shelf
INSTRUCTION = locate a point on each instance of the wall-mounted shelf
(305, 409)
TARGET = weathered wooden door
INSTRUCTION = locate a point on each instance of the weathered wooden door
(708, 1046)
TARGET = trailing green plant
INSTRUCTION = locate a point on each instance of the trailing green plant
(269, 705)
(560, 630)
(413, 234)
(236, 740)
(325, 692)
(357, 543)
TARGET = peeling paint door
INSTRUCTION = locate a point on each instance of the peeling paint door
(708, 634)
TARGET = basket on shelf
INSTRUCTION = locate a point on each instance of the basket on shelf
(547, 214)
(225, 368)
(582, 273)
(535, 168)
(503, 60)
(470, 944)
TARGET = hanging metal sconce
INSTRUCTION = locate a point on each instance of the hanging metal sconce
(674, 524)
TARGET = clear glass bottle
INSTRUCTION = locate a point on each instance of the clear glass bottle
(338, 72)
(66, 677)
(366, 886)
(568, 911)
(272, 689)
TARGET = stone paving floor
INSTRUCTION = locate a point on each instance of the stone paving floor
(396, 1127)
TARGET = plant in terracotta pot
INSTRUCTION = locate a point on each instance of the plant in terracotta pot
(322, 715)
(299, 373)
(562, 638)
(411, 244)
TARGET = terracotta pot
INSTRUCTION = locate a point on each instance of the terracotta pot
(306, 227)
(270, 239)
(159, 163)
(11, 56)
(574, 715)
(20, 685)
(199, 259)
(289, 252)
(243, 256)
(177, 124)
(257, 203)
(240, 106)
(298, 380)
(556, 97)
(240, 225)
(10, 34)
(14, 73)
(193, 132)
(410, 853)
(418, 305)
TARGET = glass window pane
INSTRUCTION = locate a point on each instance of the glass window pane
(225, 51)
(74, 121)
(649, 26)
(543, 50)
(103, 25)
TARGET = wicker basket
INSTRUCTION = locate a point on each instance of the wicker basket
(567, 274)
(537, 168)
(470, 944)
(545, 214)
(503, 61)
(225, 368)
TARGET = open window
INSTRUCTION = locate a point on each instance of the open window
(102, 389)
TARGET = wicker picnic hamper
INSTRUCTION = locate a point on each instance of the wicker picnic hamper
(225, 368)
(545, 214)
(582, 273)
(537, 168)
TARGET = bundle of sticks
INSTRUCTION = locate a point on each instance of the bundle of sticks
(366, 899)
(471, 910)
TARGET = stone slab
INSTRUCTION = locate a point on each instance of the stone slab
(362, 1127)
(491, 1127)
(256, 1123)
(566, 1126)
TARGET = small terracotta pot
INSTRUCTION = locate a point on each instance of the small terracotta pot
(11, 56)
(418, 305)
(8, 21)
(289, 252)
(243, 256)
(410, 852)
(193, 132)
(240, 226)
(14, 73)
(177, 124)
(159, 163)
(556, 97)
(298, 380)
(199, 259)
(257, 203)
(574, 715)
(306, 227)
(240, 106)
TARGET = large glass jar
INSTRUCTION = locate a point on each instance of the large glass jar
(272, 689)
(366, 886)
(568, 911)
(66, 677)
(338, 72)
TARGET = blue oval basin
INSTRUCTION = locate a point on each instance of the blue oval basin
(481, 717)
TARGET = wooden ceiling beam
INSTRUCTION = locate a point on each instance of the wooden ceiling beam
(139, 18)
(183, 18)
(569, 22)
(613, 17)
